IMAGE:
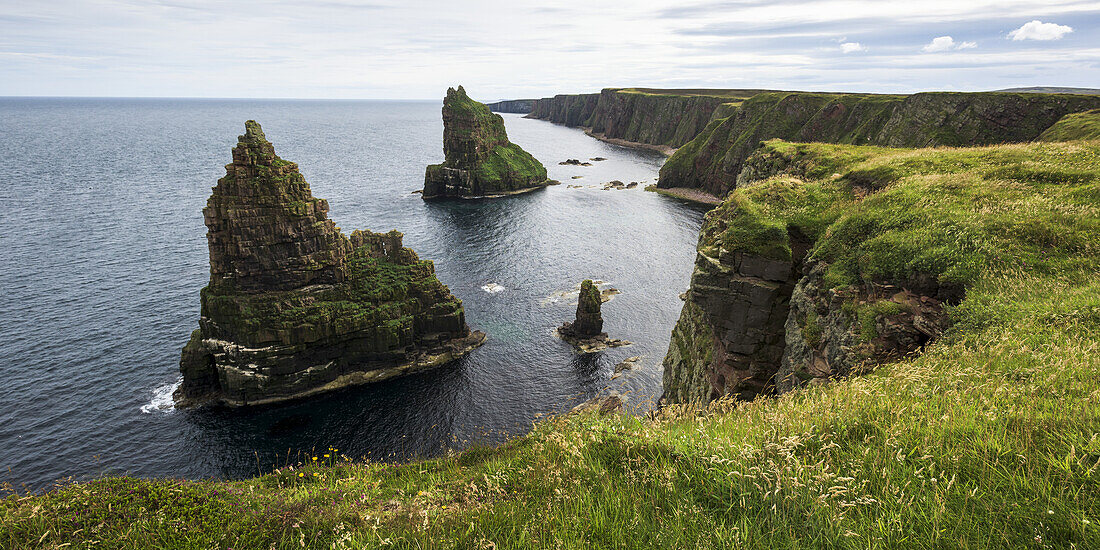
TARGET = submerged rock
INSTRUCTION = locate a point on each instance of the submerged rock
(294, 307)
(613, 402)
(480, 161)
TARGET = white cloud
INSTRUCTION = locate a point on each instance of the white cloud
(850, 47)
(946, 43)
(1037, 30)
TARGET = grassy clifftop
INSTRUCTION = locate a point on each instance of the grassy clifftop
(713, 160)
(990, 438)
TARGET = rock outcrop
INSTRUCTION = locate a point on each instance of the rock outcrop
(294, 307)
(586, 331)
(568, 109)
(480, 161)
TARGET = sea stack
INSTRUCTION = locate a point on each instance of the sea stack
(586, 331)
(480, 161)
(294, 307)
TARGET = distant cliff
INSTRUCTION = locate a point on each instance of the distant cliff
(294, 307)
(657, 117)
(480, 161)
(521, 106)
(570, 110)
(714, 158)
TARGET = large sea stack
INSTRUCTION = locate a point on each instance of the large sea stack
(294, 307)
(480, 161)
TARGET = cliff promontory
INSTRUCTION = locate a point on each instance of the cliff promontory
(294, 307)
(829, 260)
(480, 161)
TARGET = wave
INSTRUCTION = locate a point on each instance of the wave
(162, 399)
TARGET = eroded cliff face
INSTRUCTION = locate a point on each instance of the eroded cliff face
(480, 161)
(767, 312)
(652, 118)
(668, 118)
(713, 160)
(568, 109)
(294, 307)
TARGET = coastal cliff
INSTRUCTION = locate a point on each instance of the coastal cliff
(568, 109)
(520, 106)
(294, 307)
(480, 161)
(640, 116)
(828, 260)
(712, 161)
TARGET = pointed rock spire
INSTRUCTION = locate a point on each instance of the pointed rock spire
(266, 230)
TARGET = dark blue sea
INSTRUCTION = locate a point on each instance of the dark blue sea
(103, 252)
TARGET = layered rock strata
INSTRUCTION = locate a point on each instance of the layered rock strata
(294, 307)
(640, 116)
(480, 161)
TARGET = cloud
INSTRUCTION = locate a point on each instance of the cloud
(850, 47)
(946, 43)
(1037, 30)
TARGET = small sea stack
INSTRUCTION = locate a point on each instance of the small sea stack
(294, 307)
(586, 331)
(480, 161)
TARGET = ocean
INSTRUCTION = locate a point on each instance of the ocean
(104, 252)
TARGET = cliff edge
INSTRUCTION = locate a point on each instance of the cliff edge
(830, 260)
(294, 307)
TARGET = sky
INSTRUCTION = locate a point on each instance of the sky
(377, 49)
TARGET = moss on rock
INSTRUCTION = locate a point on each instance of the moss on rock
(294, 307)
(480, 161)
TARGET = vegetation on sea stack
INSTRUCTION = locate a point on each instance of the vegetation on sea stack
(480, 161)
(294, 307)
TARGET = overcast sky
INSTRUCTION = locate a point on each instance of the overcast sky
(512, 48)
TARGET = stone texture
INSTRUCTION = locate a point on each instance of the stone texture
(266, 230)
(294, 307)
(825, 336)
(480, 161)
(586, 332)
(729, 339)
(589, 321)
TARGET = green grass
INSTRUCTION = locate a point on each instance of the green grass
(948, 213)
(990, 439)
(1074, 126)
